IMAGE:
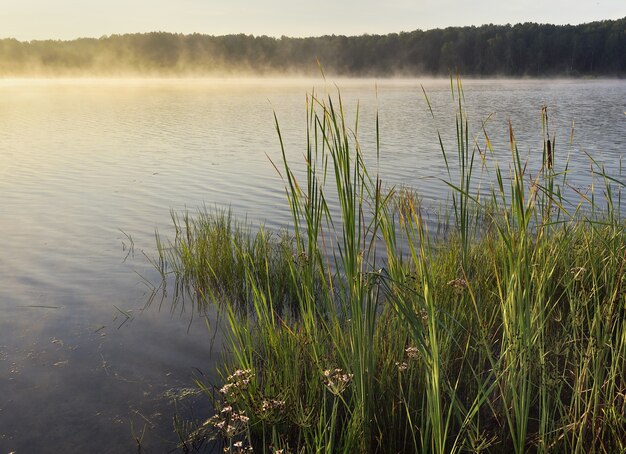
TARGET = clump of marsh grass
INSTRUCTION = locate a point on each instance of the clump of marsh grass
(212, 254)
(508, 334)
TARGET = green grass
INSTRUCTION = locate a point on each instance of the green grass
(364, 332)
(211, 254)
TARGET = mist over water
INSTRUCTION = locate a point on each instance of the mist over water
(84, 365)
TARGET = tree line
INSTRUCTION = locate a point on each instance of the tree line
(528, 49)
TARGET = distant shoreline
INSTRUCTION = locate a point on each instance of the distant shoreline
(529, 50)
(287, 79)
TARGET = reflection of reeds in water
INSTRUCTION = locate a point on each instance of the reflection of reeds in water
(507, 335)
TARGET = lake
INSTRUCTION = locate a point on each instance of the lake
(89, 169)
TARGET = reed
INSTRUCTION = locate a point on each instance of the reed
(508, 334)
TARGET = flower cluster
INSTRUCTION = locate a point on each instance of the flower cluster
(402, 366)
(228, 422)
(238, 381)
(458, 284)
(239, 448)
(337, 380)
(272, 405)
(422, 313)
(411, 354)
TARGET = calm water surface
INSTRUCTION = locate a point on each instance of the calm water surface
(84, 365)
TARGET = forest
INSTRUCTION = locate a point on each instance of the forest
(528, 49)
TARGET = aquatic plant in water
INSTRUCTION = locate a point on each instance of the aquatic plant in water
(364, 332)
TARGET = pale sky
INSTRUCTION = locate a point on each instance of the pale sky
(69, 19)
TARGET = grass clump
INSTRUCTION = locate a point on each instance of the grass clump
(212, 254)
(508, 334)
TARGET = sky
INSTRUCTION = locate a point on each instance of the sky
(68, 19)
